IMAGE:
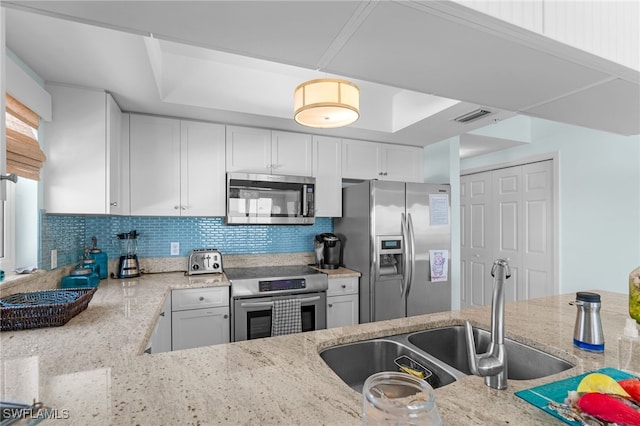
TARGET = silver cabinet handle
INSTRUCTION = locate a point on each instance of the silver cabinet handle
(184, 207)
(114, 204)
(161, 314)
(330, 305)
(225, 316)
(343, 286)
(201, 298)
(176, 207)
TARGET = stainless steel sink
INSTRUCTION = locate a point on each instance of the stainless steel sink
(441, 350)
(448, 344)
(354, 362)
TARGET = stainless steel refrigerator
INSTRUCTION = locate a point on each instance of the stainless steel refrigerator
(398, 236)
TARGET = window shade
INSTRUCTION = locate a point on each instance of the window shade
(24, 156)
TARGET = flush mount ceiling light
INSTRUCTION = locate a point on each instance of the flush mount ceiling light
(326, 103)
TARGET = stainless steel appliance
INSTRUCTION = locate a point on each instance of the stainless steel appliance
(328, 250)
(128, 266)
(388, 230)
(204, 261)
(270, 199)
(254, 290)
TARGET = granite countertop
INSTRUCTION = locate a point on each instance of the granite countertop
(92, 370)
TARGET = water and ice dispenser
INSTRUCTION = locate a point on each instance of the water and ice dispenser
(390, 256)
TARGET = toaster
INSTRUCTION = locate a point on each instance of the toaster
(204, 261)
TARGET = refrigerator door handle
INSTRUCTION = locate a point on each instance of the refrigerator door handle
(405, 256)
(411, 251)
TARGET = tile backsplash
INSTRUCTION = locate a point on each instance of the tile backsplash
(68, 234)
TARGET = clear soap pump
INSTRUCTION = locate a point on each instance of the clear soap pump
(629, 347)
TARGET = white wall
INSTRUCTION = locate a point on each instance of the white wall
(599, 201)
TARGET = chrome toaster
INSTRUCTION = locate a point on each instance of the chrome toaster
(204, 261)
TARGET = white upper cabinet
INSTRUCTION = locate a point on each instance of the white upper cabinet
(248, 149)
(177, 167)
(403, 163)
(265, 151)
(371, 160)
(202, 160)
(79, 143)
(360, 159)
(327, 169)
(291, 154)
(155, 166)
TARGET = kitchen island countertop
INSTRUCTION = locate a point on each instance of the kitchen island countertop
(93, 370)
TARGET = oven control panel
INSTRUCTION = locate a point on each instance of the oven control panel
(282, 284)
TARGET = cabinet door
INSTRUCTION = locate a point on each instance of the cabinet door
(155, 166)
(199, 327)
(291, 154)
(75, 179)
(248, 150)
(118, 157)
(360, 159)
(202, 169)
(342, 310)
(327, 169)
(402, 163)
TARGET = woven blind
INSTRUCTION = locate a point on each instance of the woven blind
(24, 156)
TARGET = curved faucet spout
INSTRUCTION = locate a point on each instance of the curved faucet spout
(492, 365)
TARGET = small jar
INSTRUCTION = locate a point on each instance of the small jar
(634, 294)
(399, 399)
(80, 278)
(90, 264)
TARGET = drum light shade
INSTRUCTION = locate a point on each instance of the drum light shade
(326, 103)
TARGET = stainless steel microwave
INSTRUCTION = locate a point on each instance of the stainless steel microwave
(270, 199)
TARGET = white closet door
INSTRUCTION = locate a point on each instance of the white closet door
(476, 235)
(538, 253)
(508, 213)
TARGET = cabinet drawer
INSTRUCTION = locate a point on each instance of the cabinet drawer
(197, 298)
(347, 285)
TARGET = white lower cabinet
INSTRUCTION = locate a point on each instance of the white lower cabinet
(161, 338)
(200, 317)
(343, 306)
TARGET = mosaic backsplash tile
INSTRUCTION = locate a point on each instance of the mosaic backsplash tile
(68, 234)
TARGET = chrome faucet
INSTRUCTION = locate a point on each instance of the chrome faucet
(492, 365)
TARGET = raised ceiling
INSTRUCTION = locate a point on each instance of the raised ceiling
(419, 63)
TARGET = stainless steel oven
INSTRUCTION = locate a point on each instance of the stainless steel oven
(254, 291)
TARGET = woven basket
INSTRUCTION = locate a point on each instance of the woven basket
(49, 308)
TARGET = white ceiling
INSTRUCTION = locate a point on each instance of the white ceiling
(239, 61)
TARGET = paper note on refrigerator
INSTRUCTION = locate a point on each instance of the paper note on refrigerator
(439, 209)
(439, 263)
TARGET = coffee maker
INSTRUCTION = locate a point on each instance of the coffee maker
(128, 266)
(328, 249)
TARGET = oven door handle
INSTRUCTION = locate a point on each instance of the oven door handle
(270, 304)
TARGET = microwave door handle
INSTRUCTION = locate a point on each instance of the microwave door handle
(305, 207)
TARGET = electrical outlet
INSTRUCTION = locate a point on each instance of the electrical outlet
(54, 259)
(175, 249)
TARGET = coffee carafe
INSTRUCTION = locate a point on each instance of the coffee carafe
(128, 266)
(328, 247)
